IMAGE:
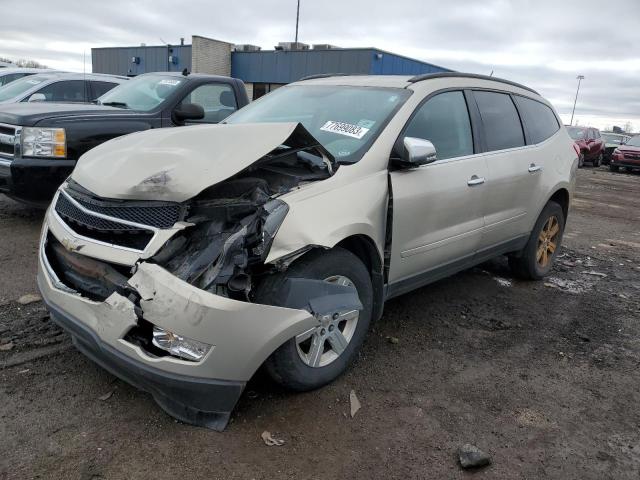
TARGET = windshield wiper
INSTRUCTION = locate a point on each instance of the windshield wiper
(115, 104)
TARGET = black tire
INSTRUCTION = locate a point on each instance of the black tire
(614, 168)
(285, 366)
(598, 160)
(581, 160)
(525, 264)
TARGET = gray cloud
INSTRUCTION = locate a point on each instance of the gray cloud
(541, 43)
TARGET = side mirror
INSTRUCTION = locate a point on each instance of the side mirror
(417, 152)
(37, 97)
(188, 111)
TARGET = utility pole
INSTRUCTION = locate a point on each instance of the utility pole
(580, 78)
(297, 20)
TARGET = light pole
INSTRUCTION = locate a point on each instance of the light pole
(297, 19)
(580, 78)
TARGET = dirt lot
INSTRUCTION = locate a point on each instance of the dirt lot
(544, 376)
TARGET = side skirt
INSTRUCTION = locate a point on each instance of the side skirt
(406, 285)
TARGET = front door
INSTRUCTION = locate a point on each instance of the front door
(438, 208)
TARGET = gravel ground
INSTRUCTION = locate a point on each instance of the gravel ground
(541, 375)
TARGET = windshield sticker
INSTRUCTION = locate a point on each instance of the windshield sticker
(173, 83)
(353, 131)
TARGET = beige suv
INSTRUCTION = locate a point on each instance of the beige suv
(182, 260)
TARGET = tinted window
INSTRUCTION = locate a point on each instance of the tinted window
(540, 120)
(65, 91)
(596, 133)
(11, 77)
(100, 88)
(217, 99)
(500, 119)
(577, 133)
(444, 121)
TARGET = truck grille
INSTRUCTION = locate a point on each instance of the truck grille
(7, 140)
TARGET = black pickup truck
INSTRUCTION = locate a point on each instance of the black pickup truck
(41, 142)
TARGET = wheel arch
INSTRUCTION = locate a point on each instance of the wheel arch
(363, 247)
(562, 197)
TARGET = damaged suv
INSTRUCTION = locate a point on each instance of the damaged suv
(182, 260)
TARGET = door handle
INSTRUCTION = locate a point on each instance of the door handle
(475, 180)
(534, 168)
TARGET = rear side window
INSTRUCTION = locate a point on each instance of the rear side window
(65, 91)
(540, 121)
(100, 88)
(500, 119)
(444, 121)
(11, 77)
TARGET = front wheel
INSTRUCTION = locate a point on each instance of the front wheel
(598, 161)
(319, 355)
(536, 259)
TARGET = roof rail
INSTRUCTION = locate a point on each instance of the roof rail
(429, 76)
(324, 75)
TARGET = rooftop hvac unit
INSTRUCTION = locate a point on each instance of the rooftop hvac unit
(292, 46)
(246, 48)
(323, 46)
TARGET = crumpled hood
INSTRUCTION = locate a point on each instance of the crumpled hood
(175, 164)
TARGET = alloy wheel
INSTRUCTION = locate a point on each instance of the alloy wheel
(321, 345)
(548, 241)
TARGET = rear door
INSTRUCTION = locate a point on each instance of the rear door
(513, 171)
(438, 208)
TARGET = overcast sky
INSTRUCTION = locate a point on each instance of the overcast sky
(543, 44)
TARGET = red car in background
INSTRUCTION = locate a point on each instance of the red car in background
(627, 155)
(590, 142)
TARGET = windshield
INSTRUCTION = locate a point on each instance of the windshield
(345, 120)
(634, 141)
(20, 86)
(577, 133)
(142, 93)
(615, 139)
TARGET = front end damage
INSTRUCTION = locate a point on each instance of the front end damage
(161, 292)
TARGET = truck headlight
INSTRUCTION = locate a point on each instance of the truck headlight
(178, 345)
(44, 142)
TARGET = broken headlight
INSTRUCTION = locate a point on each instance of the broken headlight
(276, 212)
(179, 346)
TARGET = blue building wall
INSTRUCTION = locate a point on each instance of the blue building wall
(282, 66)
(117, 60)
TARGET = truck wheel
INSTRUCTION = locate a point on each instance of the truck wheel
(536, 259)
(318, 356)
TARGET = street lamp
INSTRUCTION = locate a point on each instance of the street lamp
(580, 78)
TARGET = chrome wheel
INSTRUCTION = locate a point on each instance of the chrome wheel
(323, 344)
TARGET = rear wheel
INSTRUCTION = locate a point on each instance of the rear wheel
(319, 355)
(536, 259)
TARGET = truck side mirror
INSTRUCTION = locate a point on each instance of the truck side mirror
(188, 111)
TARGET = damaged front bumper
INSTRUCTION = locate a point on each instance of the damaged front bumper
(241, 334)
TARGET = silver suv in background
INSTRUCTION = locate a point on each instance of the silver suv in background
(8, 75)
(59, 87)
(182, 260)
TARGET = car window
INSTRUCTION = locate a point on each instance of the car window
(577, 133)
(143, 93)
(11, 77)
(217, 99)
(100, 88)
(20, 86)
(596, 133)
(64, 91)
(540, 121)
(444, 121)
(500, 119)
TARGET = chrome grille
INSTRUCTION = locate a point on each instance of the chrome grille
(7, 140)
(102, 229)
(156, 214)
